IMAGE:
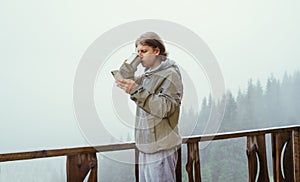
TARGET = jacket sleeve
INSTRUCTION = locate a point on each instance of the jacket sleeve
(127, 72)
(163, 104)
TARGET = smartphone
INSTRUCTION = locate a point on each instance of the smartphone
(116, 74)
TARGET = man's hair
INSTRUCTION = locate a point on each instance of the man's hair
(153, 40)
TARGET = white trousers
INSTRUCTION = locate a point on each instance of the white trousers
(158, 167)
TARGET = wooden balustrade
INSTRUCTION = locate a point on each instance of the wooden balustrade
(256, 151)
(82, 161)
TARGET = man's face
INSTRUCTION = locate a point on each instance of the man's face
(147, 54)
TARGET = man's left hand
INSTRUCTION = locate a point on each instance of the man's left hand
(126, 84)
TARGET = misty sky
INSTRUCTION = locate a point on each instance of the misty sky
(42, 43)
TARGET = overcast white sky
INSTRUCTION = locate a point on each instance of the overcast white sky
(42, 43)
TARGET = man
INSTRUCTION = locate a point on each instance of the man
(157, 94)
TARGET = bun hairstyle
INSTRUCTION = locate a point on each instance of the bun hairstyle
(153, 40)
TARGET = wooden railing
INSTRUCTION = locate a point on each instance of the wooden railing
(285, 155)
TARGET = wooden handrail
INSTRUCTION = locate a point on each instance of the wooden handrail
(238, 134)
(63, 152)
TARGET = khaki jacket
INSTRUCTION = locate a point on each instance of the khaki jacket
(158, 96)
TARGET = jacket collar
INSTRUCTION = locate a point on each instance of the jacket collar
(163, 65)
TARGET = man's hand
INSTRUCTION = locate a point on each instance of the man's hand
(126, 84)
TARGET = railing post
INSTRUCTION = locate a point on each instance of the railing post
(296, 144)
(136, 158)
(193, 162)
(178, 166)
(256, 151)
(282, 153)
(79, 165)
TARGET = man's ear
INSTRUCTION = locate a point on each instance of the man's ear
(157, 51)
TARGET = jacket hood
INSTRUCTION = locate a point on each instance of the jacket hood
(163, 65)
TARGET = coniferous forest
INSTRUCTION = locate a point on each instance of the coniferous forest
(273, 105)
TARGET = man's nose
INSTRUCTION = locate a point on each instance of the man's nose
(141, 55)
